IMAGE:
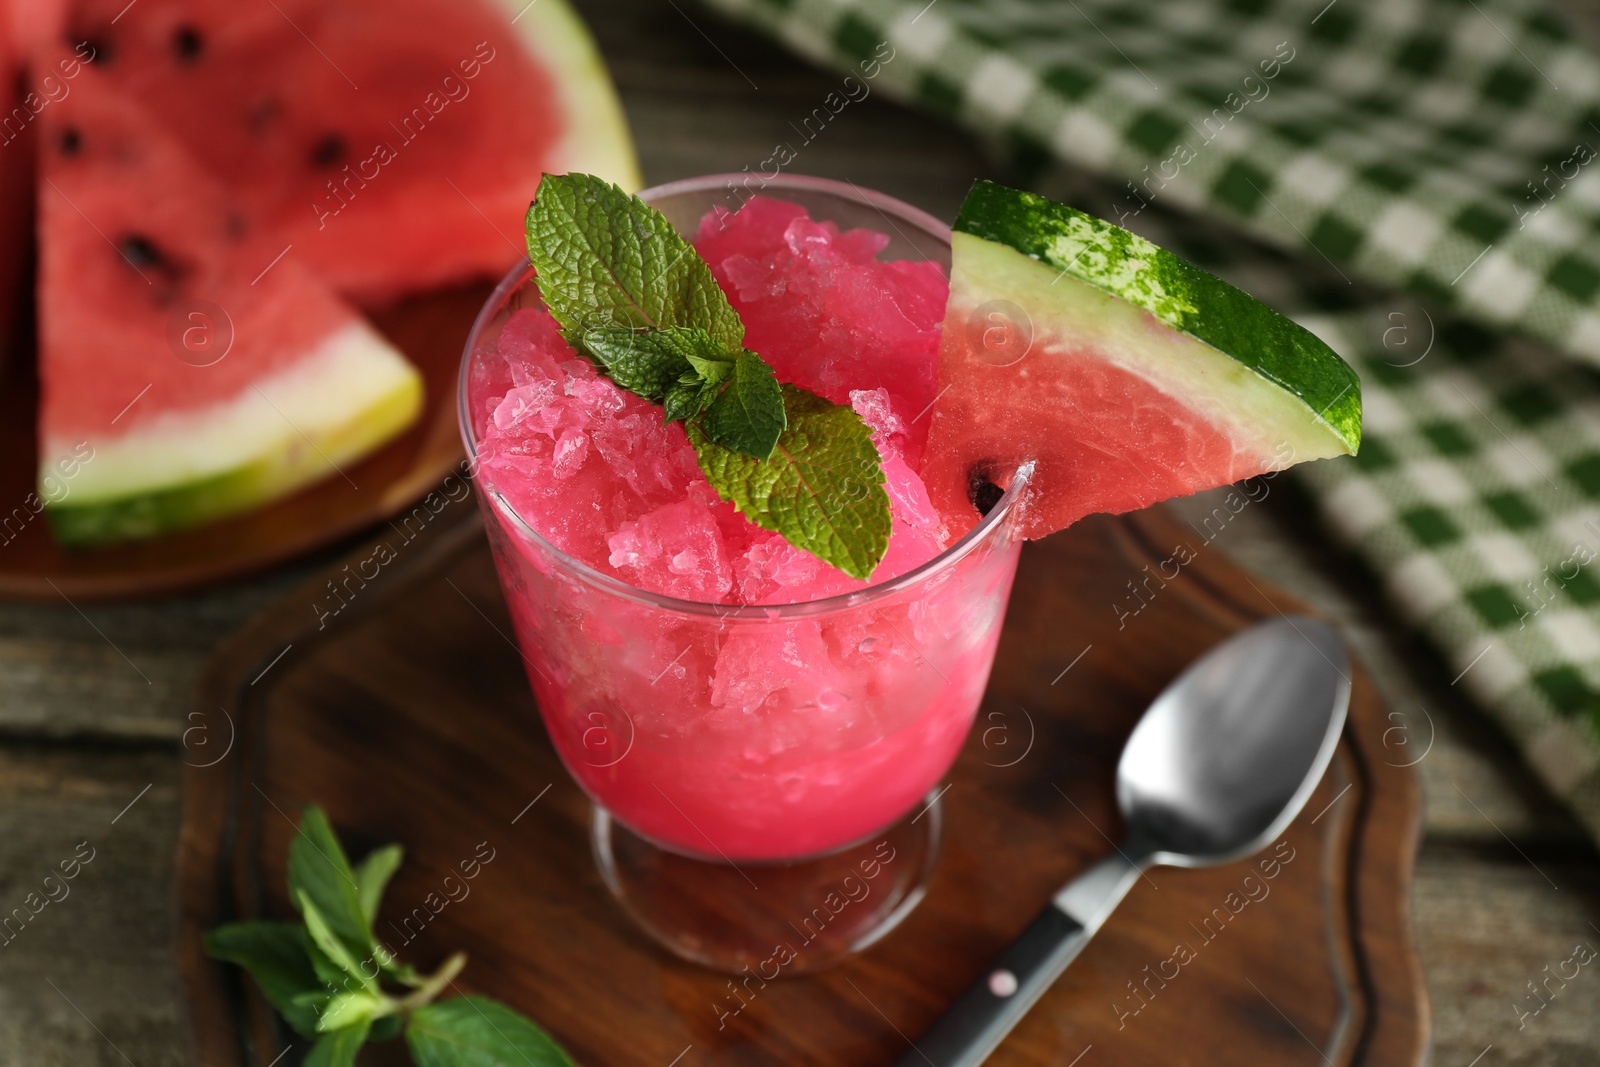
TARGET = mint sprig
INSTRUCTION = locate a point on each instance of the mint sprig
(335, 983)
(636, 298)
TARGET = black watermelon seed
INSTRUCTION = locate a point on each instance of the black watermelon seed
(71, 141)
(94, 50)
(328, 151)
(983, 493)
(140, 251)
(186, 43)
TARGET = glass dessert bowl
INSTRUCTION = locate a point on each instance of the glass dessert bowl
(764, 775)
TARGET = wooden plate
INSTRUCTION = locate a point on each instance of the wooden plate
(430, 331)
(409, 718)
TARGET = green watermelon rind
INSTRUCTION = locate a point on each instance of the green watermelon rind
(597, 139)
(98, 514)
(1175, 292)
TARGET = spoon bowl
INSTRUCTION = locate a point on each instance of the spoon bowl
(1230, 751)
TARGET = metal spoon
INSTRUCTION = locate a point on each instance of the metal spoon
(1218, 766)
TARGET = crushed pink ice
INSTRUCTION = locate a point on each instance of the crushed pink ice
(595, 470)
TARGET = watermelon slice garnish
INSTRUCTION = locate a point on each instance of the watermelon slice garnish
(178, 382)
(1125, 374)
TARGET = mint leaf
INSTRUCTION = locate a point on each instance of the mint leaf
(311, 1005)
(373, 876)
(685, 400)
(348, 1009)
(339, 1048)
(604, 258)
(748, 415)
(650, 362)
(822, 489)
(475, 1031)
(277, 955)
(714, 370)
(320, 871)
(333, 976)
(332, 949)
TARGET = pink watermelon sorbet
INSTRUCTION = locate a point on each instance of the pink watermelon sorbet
(595, 470)
(742, 732)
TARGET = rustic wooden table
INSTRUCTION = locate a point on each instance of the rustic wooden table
(93, 702)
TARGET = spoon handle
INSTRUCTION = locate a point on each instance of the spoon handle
(981, 1017)
(973, 1026)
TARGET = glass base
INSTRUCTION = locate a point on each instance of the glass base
(771, 919)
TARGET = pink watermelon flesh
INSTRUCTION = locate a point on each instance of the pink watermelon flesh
(24, 26)
(350, 131)
(119, 256)
(1102, 439)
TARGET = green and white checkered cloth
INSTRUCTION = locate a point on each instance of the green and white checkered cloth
(1446, 148)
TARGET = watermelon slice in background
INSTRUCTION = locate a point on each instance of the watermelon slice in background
(229, 175)
(1123, 373)
(179, 382)
(391, 145)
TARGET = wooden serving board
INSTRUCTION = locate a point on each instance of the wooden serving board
(409, 718)
(428, 329)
